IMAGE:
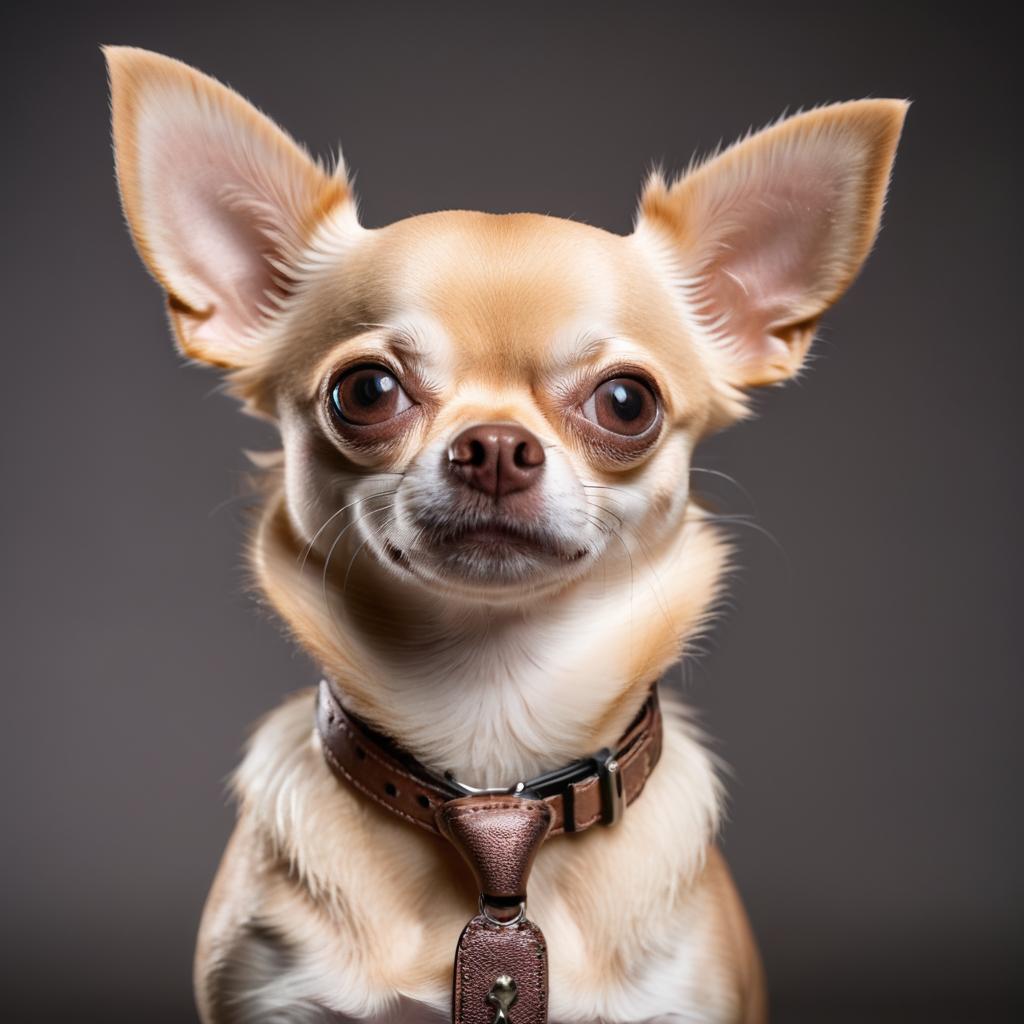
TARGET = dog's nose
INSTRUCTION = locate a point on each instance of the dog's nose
(497, 458)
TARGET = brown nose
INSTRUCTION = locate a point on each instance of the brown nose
(497, 458)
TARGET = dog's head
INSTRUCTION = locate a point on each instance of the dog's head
(493, 405)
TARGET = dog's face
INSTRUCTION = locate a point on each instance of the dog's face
(493, 406)
(504, 397)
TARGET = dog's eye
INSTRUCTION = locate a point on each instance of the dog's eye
(622, 405)
(367, 395)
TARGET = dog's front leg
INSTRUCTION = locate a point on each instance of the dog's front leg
(245, 971)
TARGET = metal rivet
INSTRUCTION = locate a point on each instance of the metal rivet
(503, 994)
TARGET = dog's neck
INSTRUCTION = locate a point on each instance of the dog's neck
(493, 693)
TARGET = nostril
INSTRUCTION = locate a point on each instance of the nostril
(477, 453)
(467, 450)
(528, 454)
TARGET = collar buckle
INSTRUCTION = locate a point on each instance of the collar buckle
(516, 789)
(610, 783)
(613, 789)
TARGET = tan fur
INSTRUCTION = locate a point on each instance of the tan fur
(325, 907)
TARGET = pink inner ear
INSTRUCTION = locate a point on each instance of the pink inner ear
(776, 250)
(769, 234)
(201, 228)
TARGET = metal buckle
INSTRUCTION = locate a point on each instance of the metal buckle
(561, 781)
(613, 790)
(517, 789)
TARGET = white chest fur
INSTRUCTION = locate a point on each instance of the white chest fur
(358, 913)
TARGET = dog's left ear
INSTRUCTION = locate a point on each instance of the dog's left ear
(220, 201)
(765, 237)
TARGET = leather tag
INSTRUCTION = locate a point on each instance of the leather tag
(499, 838)
(501, 974)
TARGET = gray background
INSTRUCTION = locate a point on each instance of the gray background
(863, 686)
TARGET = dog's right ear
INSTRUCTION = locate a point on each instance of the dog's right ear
(220, 201)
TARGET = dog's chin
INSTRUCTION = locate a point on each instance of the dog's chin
(491, 564)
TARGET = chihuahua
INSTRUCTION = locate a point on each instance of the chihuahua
(480, 525)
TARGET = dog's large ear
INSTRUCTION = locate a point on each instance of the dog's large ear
(220, 201)
(763, 238)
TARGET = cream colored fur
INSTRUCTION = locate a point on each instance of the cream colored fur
(325, 907)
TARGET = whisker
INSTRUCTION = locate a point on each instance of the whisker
(605, 487)
(739, 520)
(600, 524)
(330, 554)
(334, 515)
(373, 531)
(354, 522)
(593, 504)
(657, 587)
(725, 476)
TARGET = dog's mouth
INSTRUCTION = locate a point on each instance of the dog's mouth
(486, 552)
(500, 539)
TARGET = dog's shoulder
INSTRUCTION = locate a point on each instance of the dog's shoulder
(277, 756)
(292, 800)
(294, 921)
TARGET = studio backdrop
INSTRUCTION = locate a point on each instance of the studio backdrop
(861, 687)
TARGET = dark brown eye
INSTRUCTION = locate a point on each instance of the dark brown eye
(368, 395)
(622, 405)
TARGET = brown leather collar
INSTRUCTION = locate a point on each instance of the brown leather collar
(590, 791)
(501, 961)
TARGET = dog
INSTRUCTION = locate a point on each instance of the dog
(480, 524)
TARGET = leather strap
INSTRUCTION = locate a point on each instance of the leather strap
(587, 792)
(501, 962)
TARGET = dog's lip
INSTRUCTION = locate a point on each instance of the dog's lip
(501, 535)
(496, 538)
(491, 533)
